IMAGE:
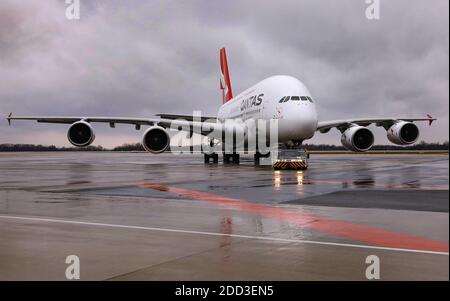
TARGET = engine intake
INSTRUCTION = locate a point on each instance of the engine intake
(403, 133)
(357, 139)
(80, 134)
(156, 140)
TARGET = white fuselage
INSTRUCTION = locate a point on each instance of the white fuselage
(297, 117)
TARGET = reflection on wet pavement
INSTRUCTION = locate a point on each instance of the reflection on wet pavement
(337, 192)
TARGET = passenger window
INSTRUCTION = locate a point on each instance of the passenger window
(286, 99)
(310, 99)
(282, 100)
(295, 98)
(303, 98)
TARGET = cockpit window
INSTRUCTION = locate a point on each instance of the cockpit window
(295, 98)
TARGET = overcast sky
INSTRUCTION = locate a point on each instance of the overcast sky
(139, 58)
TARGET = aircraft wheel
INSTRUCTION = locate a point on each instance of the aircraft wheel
(214, 157)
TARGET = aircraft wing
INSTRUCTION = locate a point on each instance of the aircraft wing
(187, 117)
(342, 125)
(199, 127)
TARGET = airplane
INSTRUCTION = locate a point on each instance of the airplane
(282, 98)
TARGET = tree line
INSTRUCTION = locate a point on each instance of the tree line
(418, 146)
(138, 147)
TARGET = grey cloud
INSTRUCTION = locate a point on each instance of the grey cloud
(138, 58)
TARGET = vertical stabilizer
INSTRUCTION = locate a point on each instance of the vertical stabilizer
(225, 83)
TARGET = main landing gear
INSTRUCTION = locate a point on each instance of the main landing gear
(227, 158)
(231, 158)
(214, 157)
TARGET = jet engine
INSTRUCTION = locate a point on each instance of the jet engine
(81, 134)
(156, 140)
(403, 133)
(357, 139)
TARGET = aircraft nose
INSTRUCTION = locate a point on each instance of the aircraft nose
(304, 122)
(308, 124)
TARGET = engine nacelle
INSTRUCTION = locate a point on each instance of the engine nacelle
(80, 134)
(156, 140)
(357, 139)
(403, 133)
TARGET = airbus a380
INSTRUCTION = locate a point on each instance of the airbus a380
(282, 98)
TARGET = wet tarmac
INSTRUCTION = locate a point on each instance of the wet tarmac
(137, 216)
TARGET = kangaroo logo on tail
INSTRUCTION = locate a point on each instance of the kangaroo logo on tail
(225, 83)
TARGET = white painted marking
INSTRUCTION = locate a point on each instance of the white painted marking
(51, 220)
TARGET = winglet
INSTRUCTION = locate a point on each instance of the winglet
(430, 119)
(9, 118)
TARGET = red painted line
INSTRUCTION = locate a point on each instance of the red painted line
(368, 234)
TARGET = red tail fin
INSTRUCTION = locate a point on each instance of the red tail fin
(225, 83)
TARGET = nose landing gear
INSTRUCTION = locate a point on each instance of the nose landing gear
(258, 155)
